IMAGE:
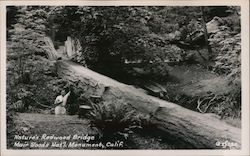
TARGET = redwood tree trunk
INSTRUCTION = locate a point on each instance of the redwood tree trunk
(205, 32)
(187, 128)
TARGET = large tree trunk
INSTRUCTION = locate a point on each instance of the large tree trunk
(187, 128)
(205, 33)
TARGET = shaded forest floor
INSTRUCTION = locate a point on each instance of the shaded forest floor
(195, 80)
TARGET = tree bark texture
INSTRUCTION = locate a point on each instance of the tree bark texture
(188, 128)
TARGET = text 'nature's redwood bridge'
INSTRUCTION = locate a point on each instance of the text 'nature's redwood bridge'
(192, 129)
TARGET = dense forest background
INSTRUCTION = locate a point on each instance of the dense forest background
(134, 45)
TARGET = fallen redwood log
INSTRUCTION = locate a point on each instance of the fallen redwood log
(187, 128)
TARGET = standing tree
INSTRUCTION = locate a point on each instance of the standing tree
(205, 32)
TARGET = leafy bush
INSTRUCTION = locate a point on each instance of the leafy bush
(229, 104)
(10, 126)
(43, 88)
(228, 54)
(28, 33)
(228, 62)
(116, 120)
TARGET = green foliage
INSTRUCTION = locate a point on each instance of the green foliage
(111, 35)
(228, 59)
(230, 105)
(10, 126)
(115, 120)
(115, 34)
(27, 34)
(226, 44)
(41, 88)
(26, 43)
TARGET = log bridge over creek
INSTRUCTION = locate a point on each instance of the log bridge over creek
(192, 129)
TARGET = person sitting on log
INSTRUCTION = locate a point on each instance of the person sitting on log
(60, 103)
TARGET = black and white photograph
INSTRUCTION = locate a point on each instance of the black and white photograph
(140, 77)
